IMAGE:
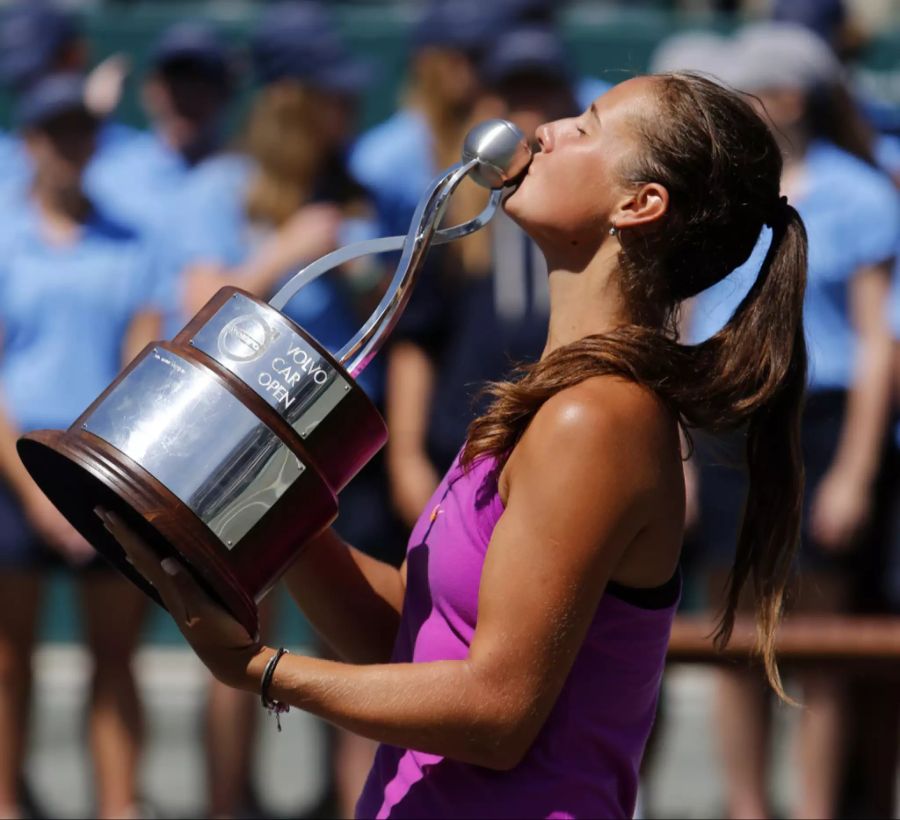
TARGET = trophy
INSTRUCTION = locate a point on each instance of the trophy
(227, 446)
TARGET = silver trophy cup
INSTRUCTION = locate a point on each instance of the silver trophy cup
(227, 446)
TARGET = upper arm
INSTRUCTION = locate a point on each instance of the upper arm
(581, 482)
(869, 293)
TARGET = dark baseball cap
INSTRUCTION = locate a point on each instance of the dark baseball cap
(824, 17)
(530, 11)
(194, 44)
(32, 33)
(533, 50)
(299, 40)
(51, 97)
(467, 25)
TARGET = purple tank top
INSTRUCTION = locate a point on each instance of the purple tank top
(584, 761)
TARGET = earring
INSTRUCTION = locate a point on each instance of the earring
(613, 230)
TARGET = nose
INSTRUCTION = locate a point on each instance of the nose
(544, 137)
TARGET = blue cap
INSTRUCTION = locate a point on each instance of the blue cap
(32, 33)
(50, 97)
(193, 43)
(781, 55)
(530, 49)
(298, 40)
(467, 25)
(530, 11)
(824, 17)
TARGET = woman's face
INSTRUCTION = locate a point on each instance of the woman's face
(574, 183)
(61, 149)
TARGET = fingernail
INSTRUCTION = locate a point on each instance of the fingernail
(170, 566)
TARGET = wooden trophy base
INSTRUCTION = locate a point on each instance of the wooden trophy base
(79, 472)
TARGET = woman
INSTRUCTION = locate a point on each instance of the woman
(851, 213)
(513, 665)
(77, 300)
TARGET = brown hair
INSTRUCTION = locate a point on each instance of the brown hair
(834, 114)
(283, 138)
(721, 167)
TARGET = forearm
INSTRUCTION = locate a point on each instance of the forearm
(867, 412)
(146, 327)
(445, 708)
(352, 600)
(409, 390)
(11, 465)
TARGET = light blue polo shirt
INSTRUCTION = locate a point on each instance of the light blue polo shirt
(64, 312)
(136, 179)
(211, 226)
(852, 217)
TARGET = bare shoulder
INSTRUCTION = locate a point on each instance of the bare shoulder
(605, 423)
(602, 407)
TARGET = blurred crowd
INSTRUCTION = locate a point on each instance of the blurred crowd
(112, 237)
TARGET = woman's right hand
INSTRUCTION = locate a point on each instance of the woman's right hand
(310, 233)
(52, 527)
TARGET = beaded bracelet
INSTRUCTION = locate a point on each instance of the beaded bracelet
(273, 707)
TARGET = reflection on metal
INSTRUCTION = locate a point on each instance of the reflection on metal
(194, 437)
(501, 150)
(256, 344)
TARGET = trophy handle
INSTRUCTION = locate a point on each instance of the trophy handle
(385, 244)
(495, 152)
(421, 234)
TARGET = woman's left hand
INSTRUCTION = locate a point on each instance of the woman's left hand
(840, 510)
(218, 639)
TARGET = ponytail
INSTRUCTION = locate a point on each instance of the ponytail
(751, 373)
(763, 350)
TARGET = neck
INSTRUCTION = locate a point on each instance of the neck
(62, 207)
(586, 298)
(193, 146)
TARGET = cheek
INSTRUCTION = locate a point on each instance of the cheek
(559, 197)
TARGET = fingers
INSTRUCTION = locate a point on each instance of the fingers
(145, 561)
(180, 593)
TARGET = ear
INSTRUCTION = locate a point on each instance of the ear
(647, 205)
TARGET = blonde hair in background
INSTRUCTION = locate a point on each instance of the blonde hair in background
(284, 138)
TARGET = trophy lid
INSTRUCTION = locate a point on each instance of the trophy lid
(501, 150)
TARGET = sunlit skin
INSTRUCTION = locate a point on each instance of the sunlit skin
(610, 506)
(574, 193)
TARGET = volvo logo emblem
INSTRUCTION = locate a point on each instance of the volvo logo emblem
(244, 338)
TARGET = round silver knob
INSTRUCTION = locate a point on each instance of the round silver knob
(501, 150)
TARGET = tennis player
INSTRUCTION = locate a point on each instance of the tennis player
(512, 666)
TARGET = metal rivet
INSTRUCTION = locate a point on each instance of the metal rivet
(229, 542)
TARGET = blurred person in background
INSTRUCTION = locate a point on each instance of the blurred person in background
(38, 38)
(78, 298)
(185, 96)
(585, 88)
(851, 213)
(397, 159)
(483, 307)
(248, 218)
